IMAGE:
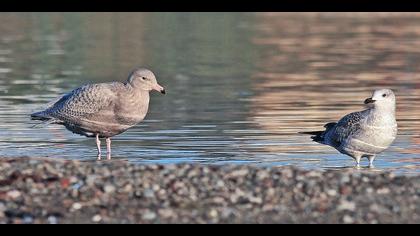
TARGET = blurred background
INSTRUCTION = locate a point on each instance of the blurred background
(240, 85)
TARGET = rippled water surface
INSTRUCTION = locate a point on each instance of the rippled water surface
(240, 85)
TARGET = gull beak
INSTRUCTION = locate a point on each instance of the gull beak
(159, 88)
(369, 100)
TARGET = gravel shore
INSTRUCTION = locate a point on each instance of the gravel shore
(50, 191)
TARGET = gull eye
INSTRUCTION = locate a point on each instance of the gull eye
(143, 78)
(384, 95)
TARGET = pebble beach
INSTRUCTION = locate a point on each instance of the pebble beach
(58, 191)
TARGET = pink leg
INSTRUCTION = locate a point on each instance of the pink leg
(108, 147)
(98, 145)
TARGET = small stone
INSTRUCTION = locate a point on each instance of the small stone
(365, 179)
(76, 206)
(149, 193)
(332, 192)
(156, 188)
(128, 188)
(73, 179)
(348, 219)
(238, 173)
(65, 183)
(256, 200)
(220, 184)
(96, 218)
(345, 179)
(76, 186)
(166, 213)
(109, 188)
(383, 191)
(90, 180)
(28, 219)
(288, 173)
(315, 173)
(346, 205)
(213, 213)
(218, 200)
(1, 212)
(262, 175)
(375, 207)
(52, 220)
(227, 212)
(14, 194)
(150, 215)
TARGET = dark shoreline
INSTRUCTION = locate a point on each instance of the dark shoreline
(50, 191)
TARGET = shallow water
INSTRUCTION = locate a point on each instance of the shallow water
(240, 85)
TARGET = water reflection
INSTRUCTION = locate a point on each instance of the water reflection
(240, 85)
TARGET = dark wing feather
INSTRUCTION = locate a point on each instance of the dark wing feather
(345, 127)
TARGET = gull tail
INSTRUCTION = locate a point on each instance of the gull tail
(318, 136)
(41, 116)
(312, 132)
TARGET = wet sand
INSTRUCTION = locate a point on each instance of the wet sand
(57, 191)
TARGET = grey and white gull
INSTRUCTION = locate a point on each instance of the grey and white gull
(103, 110)
(365, 133)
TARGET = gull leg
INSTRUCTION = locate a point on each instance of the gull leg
(108, 148)
(371, 158)
(98, 145)
(357, 158)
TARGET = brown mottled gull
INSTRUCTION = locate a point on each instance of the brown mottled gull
(103, 110)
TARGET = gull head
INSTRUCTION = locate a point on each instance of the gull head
(382, 98)
(144, 79)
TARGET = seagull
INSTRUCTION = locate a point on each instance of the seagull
(103, 110)
(365, 133)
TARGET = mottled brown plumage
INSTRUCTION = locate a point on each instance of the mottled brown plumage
(103, 110)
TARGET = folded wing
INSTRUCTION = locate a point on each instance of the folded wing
(79, 104)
